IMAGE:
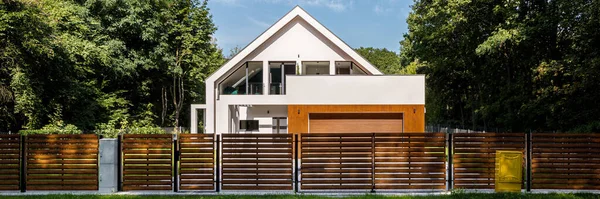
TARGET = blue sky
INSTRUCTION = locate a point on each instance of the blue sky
(367, 23)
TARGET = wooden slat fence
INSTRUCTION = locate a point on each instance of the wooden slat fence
(474, 157)
(336, 161)
(410, 161)
(9, 162)
(197, 162)
(62, 162)
(565, 161)
(257, 161)
(147, 162)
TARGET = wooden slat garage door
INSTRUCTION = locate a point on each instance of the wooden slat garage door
(355, 122)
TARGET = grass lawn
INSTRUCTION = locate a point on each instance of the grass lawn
(457, 196)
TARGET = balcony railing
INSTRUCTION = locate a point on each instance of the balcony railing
(275, 89)
(255, 88)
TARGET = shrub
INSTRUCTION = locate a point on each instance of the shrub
(53, 129)
(109, 132)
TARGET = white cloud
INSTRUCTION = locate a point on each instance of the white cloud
(335, 5)
(229, 2)
(258, 22)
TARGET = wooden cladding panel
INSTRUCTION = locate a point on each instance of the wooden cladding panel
(147, 162)
(475, 156)
(410, 161)
(565, 161)
(197, 162)
(355, 122)
(336, 161)
(62, 162)
(10, 146)
(257, 161)
(413, 115)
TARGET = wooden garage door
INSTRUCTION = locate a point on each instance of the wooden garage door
(355, 122)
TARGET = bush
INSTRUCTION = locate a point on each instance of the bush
(53, 129)
(108, 132)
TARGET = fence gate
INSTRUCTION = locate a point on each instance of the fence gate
(565, 161)
(410, 161)
(196, 161)
(257, 161)
(474, 157)
(336, 161)
(147, 162)
(62, 162)
(9, 162)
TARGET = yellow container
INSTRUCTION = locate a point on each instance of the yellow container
(509, 171)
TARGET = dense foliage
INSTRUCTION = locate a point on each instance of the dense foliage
(103, 64)
(513, 65)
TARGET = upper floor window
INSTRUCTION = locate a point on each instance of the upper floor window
(315, 68)
(348, 68)
(246, 79)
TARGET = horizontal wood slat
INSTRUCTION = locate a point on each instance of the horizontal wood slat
(336, 161)
(10, 146)
(62, 162)
(257, 161)
(196, 161)
(565, 161)
(147, 162)
(474, 157)
(414, 170)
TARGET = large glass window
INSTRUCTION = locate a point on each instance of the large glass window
(246, 79)
(277, 73)
(315, 68)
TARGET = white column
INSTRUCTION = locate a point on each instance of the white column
(193, 120)
(107, 174)
(194, 117)
(331, 67)
(266, 78)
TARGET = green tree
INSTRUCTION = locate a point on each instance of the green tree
(513, 65)
(388, 62)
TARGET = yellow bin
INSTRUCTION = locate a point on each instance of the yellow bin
(509, 171)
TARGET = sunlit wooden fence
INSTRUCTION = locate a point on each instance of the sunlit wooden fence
(368, 162)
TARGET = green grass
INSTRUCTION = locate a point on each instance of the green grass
(450, 196)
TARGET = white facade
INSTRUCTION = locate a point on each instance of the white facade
(304, 45)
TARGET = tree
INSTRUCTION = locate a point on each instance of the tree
(102, 64)
(513, 65)
(386, 61)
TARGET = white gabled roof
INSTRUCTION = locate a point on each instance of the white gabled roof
(295, 12)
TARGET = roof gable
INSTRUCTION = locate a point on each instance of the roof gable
(297, 18)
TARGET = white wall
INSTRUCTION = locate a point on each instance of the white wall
(298, 40)
(334, 90)
(356, 89)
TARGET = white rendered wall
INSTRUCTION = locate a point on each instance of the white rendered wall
(334, 90)
(297, 40)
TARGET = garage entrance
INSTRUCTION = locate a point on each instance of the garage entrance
(355, 123)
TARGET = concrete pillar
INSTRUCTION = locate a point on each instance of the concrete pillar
(108, 170)
(266, 78)
(331, 67)
(194, 119)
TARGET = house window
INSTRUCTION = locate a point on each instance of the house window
(249, 125)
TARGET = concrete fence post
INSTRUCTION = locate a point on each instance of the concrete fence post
(108, 171)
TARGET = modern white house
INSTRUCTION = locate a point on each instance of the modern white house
(299, 77)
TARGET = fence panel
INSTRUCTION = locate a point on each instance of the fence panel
(257, 161)
(410, 161)
(474, 157)
(9, 162)
(565, 161)
(147, 162)
(62, 162)
(196, 161)
(336, 161)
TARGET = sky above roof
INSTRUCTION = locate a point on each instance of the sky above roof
(360, 23)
